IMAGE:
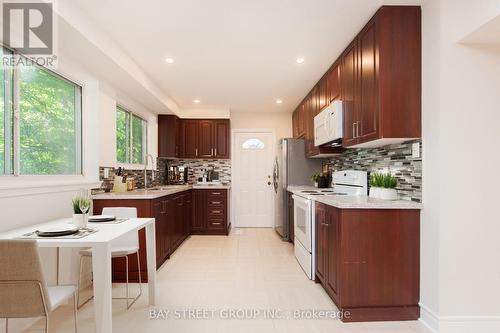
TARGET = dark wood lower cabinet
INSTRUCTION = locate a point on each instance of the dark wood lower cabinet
(368, 261)
(172, 215)
(210, 214)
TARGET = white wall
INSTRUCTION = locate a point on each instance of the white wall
(280, 122)
(460, 225)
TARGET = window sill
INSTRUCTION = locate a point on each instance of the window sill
(15, 186)
(127, 166)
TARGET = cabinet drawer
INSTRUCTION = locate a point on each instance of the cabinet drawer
(216, 223)
(213, 194)
(216, 211)
(216, 201)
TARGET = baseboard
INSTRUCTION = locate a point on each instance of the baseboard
(467, 324)
(458, 324)
(429, 318)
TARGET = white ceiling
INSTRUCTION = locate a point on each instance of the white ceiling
(233, 54)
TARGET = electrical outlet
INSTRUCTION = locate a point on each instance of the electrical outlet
(415, 150)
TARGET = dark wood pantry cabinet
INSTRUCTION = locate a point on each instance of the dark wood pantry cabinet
(377, 78)
(368, 261)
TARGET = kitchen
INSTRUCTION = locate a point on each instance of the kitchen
(193, 193)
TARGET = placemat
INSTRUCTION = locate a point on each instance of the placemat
(80, 234)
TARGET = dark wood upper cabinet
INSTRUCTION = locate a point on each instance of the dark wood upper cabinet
(333, 83)
(221, 138)
(323, 100)
(193, 138)
(378, 79)
(349, 92)
(189, 138)
(168, 136)
(205, 139)
(388, 79)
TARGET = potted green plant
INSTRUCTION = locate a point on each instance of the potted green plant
(315, 178)
(81, 206)
(383, 186)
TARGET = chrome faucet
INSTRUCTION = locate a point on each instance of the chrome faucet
(146, 170)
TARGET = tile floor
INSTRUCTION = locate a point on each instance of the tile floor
(252, 269)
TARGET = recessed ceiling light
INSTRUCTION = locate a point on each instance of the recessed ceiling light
(197, 101)
(299, 60)
(169, 60)
(279, 101)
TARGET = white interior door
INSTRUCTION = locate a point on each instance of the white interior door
(252, 182)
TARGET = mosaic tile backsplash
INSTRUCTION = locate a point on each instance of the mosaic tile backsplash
(396, 159)
(223, 167)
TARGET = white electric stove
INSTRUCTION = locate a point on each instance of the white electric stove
(348, 182)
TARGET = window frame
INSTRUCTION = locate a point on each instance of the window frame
(129, 138)
(14, 86)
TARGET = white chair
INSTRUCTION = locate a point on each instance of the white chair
(120, 248)
(23, 291)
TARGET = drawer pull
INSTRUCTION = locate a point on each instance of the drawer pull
(217, 193)
(216, 223)
(216, 202)
(216, 211)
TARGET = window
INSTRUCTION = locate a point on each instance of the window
(130, 137)
(40, 121)
(253, 144)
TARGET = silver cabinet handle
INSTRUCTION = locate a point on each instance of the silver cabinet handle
(211, 152)
(357, 129)
(215, 152)
(215, 202)
(216, 211)
(215, 193)
(353, 130)
(196, 151)
(216, 223)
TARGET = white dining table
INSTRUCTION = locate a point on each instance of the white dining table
(100, 242)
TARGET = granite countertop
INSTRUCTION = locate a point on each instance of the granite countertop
(212, 186)
(357, 202)
(153, 193)
(156, 192)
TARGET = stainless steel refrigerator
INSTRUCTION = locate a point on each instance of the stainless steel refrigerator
(291, 167)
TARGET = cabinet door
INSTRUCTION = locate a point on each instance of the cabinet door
(189, 138)
(322, 94)
(333, 84)
(159, 231)
(349, 93)
(206, 139)
(221, 138)
(169, 217)
(321, 242)
(188, 208)
(198, 221)
(333, 249)
(368, 68)
(301, 119)
(168, 136)
(295, 123)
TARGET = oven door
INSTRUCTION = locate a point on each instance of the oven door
(302, 221)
